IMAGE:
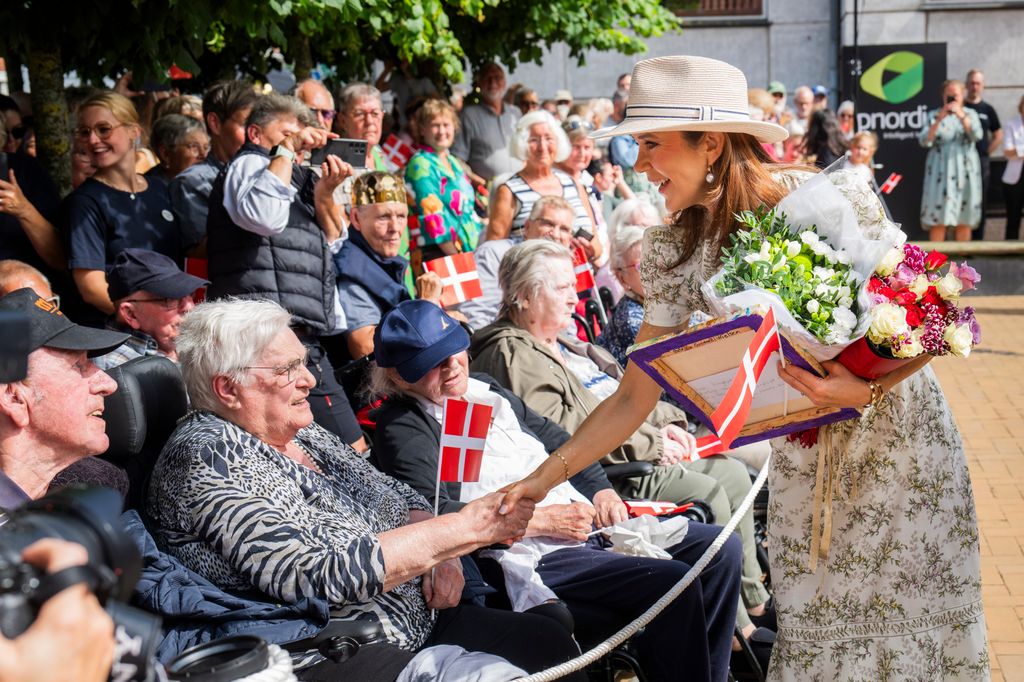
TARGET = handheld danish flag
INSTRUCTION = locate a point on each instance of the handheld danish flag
(732, 413)
(458, 275)
(584, 273)
(637, 508)
(397, 152)
(464, 428)
(890, 183)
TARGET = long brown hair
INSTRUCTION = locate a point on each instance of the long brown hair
(743, 181)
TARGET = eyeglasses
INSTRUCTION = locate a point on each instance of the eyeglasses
(362, 115)
(577, 124)
(195, 148)
(54, 301)
(103, 131)
(285, 374)
(547, 139)
(326, 114)
(165, 303)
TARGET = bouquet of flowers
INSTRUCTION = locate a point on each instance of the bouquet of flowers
(809, 261)
(914, 311)
(815, 282)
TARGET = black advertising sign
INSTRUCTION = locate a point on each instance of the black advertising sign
(893, 88)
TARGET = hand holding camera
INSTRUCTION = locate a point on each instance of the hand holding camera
(72, 622)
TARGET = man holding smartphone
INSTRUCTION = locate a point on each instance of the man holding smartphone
(272, 230)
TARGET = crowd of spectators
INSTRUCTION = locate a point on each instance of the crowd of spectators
(309, 268)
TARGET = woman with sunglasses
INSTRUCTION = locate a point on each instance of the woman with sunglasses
(541, 143)
(117, 208)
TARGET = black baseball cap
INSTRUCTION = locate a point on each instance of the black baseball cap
(145, 270)
(48, 327)
(416, 336)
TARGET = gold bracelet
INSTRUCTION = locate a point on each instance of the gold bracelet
(877, 392)
(565, 464)
(881, 394)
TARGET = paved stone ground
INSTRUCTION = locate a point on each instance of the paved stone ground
(987, 397)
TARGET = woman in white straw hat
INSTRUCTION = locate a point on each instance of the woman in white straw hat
(893, 590)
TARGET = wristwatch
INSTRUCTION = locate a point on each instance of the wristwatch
(280, 150)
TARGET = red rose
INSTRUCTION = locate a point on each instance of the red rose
(887, 292)
(905, 297)
(914, 315)
(874, 284)
(935, 260)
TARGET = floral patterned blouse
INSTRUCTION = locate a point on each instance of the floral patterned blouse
(443, 208)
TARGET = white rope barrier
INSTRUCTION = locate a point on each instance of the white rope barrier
(607, 646)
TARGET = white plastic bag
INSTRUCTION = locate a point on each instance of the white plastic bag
(646, 536)
(816, 202)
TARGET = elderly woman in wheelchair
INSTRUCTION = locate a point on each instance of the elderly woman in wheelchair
(421, 360)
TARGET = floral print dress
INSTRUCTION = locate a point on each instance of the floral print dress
(951, 194)
(443, 208)
(897, 596)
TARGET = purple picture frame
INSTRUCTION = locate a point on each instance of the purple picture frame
(647, 354)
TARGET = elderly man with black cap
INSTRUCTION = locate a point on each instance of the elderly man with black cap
(151, 296)
(54, 416)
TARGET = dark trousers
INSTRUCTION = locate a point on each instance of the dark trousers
(1014, 205)
(327, 400)
(689, 640)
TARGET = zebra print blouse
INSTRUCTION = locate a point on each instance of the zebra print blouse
(240, 513)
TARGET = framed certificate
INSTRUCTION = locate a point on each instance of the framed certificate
(697, 366)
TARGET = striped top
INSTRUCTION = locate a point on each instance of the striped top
(525, 197)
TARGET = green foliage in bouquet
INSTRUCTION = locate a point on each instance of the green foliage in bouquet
(815, 282)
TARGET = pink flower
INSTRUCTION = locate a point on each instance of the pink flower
(434, 225)
(967, 275)
(903, 276)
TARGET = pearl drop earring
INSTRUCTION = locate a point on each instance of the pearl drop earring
(710, 177)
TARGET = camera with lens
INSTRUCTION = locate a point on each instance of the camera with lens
(87, 516)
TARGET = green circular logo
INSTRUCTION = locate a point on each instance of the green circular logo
(894, 78)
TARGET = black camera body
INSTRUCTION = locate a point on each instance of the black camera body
(87, 516)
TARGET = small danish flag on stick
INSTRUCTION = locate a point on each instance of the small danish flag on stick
(458, 275)
(464, 427)
(890, 183)
(584, 273)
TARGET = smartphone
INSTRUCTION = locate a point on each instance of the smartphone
(950, 99)
(580, 232)
(352, 152)
(4, 175)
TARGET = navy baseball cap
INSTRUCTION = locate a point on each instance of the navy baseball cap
(49, 327)
(414, 337)
(820, 91)
(144, 270)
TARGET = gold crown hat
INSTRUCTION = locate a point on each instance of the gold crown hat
(689, 93)
(377, 187)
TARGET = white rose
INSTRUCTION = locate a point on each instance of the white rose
(821, 273)
(809, 238)
(911, 347)
(889, 262)
(813, 306)
(844, 316)
(949, 287)
(887, 320)
(846, 302)
(844, 258)
(822, 290)
(960, 340)
(844, 292)
(792, 249)
(822, 249)
(920, 285)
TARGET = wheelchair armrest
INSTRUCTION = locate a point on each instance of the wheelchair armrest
(617, 472)
(340, 639)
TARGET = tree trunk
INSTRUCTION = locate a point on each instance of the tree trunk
(298, 49)
(50, 112)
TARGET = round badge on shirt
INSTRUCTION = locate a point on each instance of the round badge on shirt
(168, 216)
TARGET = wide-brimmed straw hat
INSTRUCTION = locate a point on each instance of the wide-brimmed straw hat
(690, 93)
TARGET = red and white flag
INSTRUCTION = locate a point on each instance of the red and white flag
(397, 152)
(584, 273)
(731, 414)
(637, 508)
(464, 428)
(415, 231)
(458, 275)
(890, 183)
(198, 267)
